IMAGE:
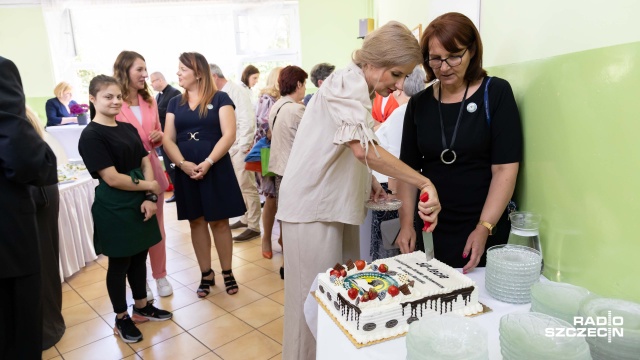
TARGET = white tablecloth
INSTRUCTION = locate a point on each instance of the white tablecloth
(333, 344)
(68, 136)
(76, 224)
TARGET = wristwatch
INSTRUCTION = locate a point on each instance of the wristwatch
(489, 226)
(151, 197)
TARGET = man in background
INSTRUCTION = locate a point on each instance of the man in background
(25, 159)
(318, 74)
(245, 130)
(165, 93)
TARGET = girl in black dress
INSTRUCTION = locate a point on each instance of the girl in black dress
(124, 209)
(200, 127)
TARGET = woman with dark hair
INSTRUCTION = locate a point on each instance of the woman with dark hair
(288, 112)
(200, 128)
(140, 109)
(471, 153)
(250, 76)
(124, 207)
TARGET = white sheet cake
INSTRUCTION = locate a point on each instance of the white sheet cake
(419, 288)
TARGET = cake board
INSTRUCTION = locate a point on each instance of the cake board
(485, 309)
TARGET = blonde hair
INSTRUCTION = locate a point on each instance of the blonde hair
(34, 121)
(272, 89)
(391, 45)
(60, 89)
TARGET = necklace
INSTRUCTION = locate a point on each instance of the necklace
(455, 130)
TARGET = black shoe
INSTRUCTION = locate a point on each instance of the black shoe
(171, 199)
(282, 272)
(247, 235)
(127, 330)
(152, 313)
(237, 225)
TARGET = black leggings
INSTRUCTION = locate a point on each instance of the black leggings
(135, 268)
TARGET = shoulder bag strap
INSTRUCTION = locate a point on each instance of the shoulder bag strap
(277, 112)
(486, 100)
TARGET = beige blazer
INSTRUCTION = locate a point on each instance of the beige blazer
(284, 132)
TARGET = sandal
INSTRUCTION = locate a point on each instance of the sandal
(230, 282)
(203, 289)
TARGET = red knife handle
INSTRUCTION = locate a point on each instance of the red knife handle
(424, 198)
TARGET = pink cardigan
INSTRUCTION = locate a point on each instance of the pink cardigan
(150, 122)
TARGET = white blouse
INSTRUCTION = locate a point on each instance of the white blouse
(323, 180)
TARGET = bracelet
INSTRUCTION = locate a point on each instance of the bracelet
(180, 164)
(209, 161)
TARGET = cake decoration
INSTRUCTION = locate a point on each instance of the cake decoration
(388, 294)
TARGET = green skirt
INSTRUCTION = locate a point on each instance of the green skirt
(119, 226)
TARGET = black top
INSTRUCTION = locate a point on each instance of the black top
(162, 99)
(462, 186)
(103, 146)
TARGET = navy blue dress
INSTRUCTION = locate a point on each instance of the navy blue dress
(217, 196)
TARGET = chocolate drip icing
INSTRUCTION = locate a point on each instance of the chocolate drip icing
(446, 301)
(349, 311)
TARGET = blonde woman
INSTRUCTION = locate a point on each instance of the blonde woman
(321, 202)
(57, 108)
(268, 96)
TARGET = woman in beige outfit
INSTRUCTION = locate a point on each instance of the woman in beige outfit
(328, 174)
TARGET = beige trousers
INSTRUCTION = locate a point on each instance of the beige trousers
(249, 188)
(311, 249)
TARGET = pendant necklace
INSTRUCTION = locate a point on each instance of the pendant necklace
(455, 130)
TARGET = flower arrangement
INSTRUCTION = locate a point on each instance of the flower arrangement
(78, 109)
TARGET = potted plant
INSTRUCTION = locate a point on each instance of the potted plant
(80, 111)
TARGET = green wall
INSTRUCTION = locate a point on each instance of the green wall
(329, 31)
(580, 169)
(28, 48)
(573, 68)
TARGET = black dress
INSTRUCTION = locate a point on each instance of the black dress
(462, 186)
(119, 226)
(47, 200)
(217, 196)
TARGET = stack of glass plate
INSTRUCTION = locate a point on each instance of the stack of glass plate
(613, 328)
(446, 337)
(536, 336)
(510, 272)
(559, 300)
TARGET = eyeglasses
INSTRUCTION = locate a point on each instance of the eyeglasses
(452, 61)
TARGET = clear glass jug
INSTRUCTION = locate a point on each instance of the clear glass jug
(524, 230)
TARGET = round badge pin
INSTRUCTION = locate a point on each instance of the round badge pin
(472, 107)
(209, 106)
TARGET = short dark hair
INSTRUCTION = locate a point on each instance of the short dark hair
(247, 72)
(455, 32)
(321, 72)
(289, 78)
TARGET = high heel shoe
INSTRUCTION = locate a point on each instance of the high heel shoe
(282, 272)
(267, 254)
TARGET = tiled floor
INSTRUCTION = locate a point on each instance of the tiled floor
(247, 325)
